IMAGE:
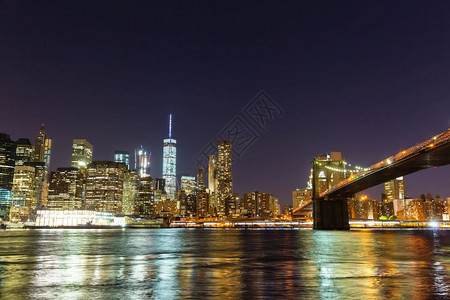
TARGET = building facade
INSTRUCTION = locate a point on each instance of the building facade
(142, 161)
(122, 157)
(104, 186)
(224, 195)
(7, 163)
(82, 152)
(169, 164)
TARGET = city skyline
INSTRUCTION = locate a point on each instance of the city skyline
(339, 89)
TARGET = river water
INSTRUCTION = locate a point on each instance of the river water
(224, 264)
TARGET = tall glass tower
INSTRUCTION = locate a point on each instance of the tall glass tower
(169, 166)
(142, 162)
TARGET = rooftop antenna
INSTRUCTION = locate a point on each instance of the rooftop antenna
(170, 125)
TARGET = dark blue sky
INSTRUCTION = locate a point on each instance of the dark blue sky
(364, 78)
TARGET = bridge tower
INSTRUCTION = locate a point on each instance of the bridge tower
(329, 170)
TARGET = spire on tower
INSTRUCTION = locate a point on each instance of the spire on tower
(170, 125)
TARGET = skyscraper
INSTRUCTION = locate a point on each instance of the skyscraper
(42, 149)
(130, 191)
(395, 189)
(201, 180)
(226, 199)
(66, 189)
(169, 165)
(144, 205)
(122, 157)
(81, 153)
(23, 193)
(24, 151)
(104, 186)
(7, 162)
(142, 161)
(212, 174)
(188, 184)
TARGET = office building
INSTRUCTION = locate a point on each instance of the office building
(224, 180)
(395, 189)
(42, 150)
(81, 153)
(201, 180)
(122, 157)
(130, 191)
(104, 186)
(24, 151)
(142, 161)
(188, 184)
(169, 165)
(144, 205)
(23, 193)
(66, 189)
(202, 202)
(7, 163)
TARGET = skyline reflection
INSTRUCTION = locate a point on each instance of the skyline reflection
(179, 263)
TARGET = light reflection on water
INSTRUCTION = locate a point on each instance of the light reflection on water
(200, 264)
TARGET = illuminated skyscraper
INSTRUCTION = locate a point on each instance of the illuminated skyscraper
(169, 165)
(201, 180)
(42, 149)
(23, 193)
(122, 157)
(7, 162)
(104, 186)
(142, 162)
(130, 191)
(81, 153)
(226, 199)
(144, 205)
(66, 189)
(188, 184)
(212, 174)
(395, 189)
(24, 152)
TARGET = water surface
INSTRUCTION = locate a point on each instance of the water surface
(218, 264)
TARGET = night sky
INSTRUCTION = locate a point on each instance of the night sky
(365, 78)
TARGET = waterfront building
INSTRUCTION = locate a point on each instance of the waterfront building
(144, 205)
(23, 193)
(257, 204)
(104, 186)
(188, 184)
(122, 157)
(66, 189)
(300, 197)
(130, 191)
(169, 164)
(226, 203)
(61, 218)
(7, 163)
(142, 161)
(24, 151)
(42, 150)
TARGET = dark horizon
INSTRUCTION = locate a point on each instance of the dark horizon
(365, 79)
